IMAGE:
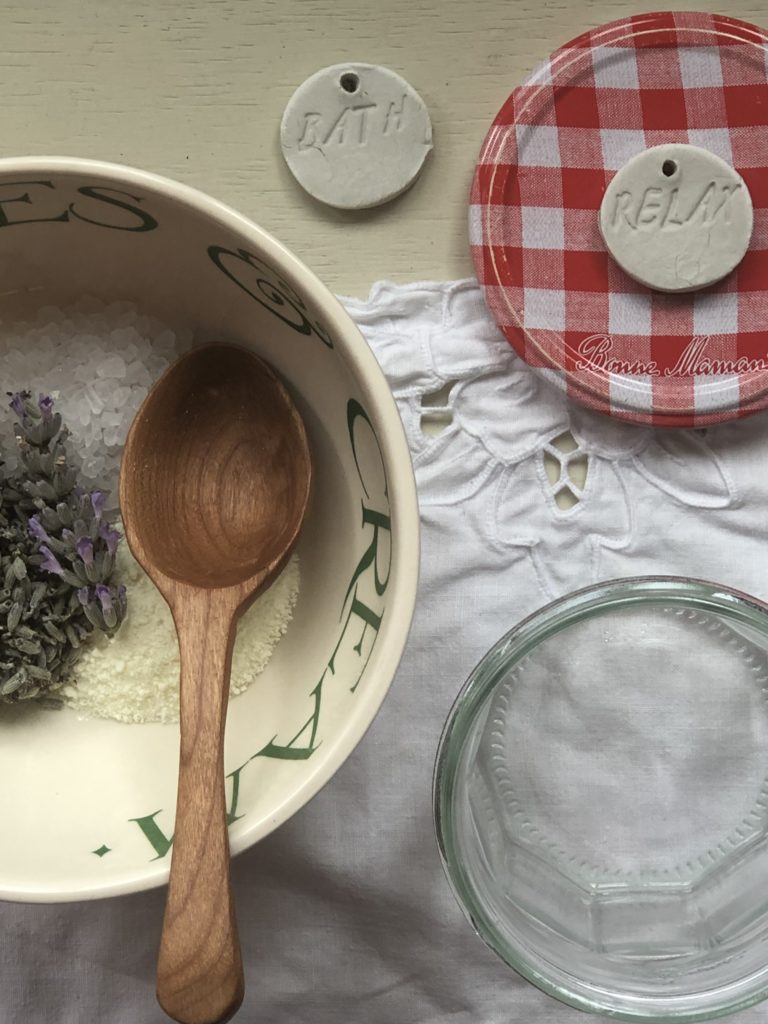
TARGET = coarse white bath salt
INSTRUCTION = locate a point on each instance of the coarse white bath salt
(134, 676)
(98, 360)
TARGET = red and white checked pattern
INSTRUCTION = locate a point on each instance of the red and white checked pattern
(554, 146)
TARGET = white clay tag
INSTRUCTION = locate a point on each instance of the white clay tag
(355, 135)
(677, 218)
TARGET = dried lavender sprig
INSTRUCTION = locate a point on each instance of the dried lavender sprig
(54, 542)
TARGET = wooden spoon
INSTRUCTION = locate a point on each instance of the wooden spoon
(214, 486)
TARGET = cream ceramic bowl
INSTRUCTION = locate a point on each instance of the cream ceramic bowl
(87, 806)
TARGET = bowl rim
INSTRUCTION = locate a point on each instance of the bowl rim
(488, 672)
(404, 510)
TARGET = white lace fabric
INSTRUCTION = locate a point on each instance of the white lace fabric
(344, 912)
(682, 502)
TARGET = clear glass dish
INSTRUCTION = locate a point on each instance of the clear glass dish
(601, 799)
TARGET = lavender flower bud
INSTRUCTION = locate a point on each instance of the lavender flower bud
(50, 562)
(37, 530)
(10, 576)
(50, 520)
(84, 548)
(75, 579)
(98, 501)
(84, 595)
(94, 615)
(108, 610)
(64, 512)
(39, 591)
(72, 636)
(45, 404)
(17, 404)
(14, 617)
(110, 536)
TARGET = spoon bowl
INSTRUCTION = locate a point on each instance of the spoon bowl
(214, 488)
(215, 470)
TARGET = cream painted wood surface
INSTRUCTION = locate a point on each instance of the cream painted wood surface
(195, 90)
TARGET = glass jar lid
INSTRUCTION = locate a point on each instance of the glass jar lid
(561, 300)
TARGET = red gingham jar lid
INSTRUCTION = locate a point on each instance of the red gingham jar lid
(560, 299)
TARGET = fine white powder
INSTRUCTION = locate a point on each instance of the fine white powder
(134, 676)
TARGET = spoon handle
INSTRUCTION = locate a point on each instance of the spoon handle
(200, 970)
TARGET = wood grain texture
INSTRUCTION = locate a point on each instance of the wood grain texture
(196, 91)
(200, 969)
(214, 487)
